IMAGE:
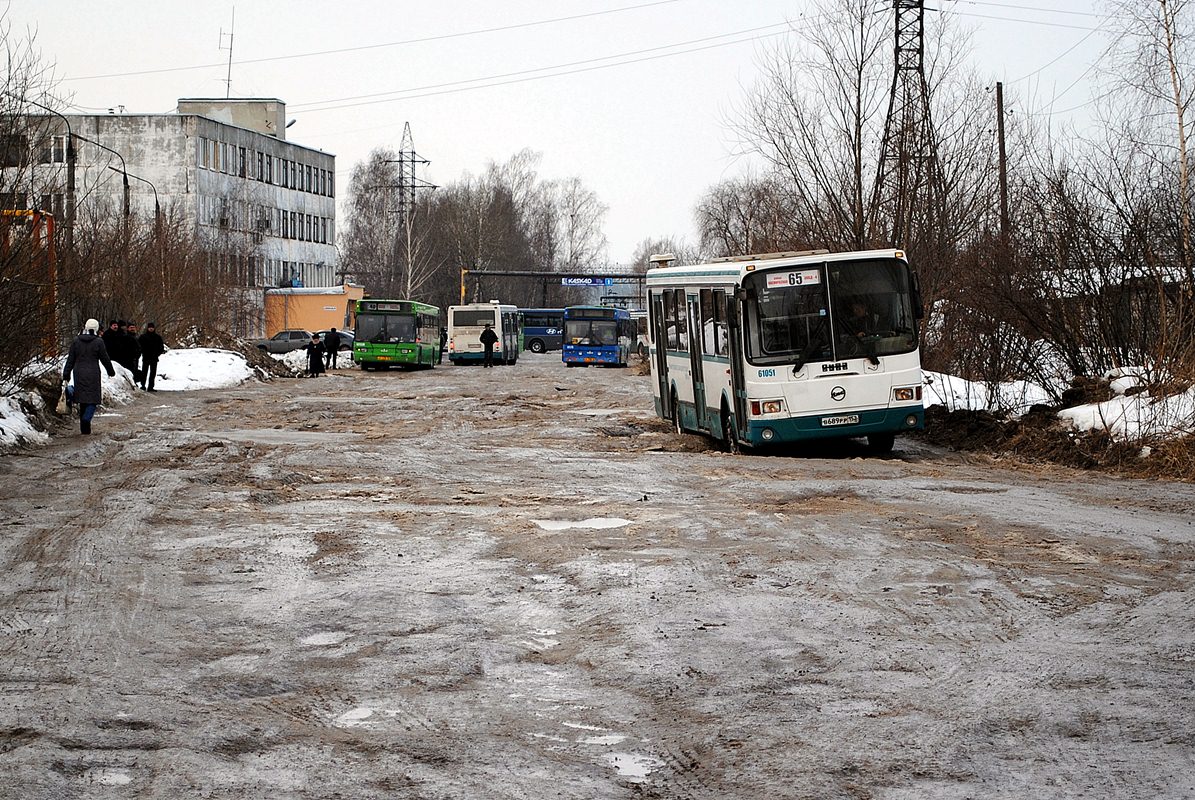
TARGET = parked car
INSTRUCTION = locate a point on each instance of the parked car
(346, 339)
(284, 341)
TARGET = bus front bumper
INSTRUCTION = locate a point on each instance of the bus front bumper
(762, 432)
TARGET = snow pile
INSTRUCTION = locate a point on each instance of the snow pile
(201, 368)
(1136, 416)
(959, 394)
(16, 428)
(295, 359)
(178, 370)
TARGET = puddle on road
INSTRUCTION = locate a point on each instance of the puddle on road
(596, 523)
(109, 777)
(355, 716)
(610, 739)
(281, 436)
(326, 639)
(633, 765)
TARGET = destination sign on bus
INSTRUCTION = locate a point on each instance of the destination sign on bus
(805, 277)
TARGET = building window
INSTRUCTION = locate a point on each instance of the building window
(294, 178)
(242, 162)
(285, 171)
(309, 187)
(331, 193)
(324, 230)
(53, 150)
(294, 222)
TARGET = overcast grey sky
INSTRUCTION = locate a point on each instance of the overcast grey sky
(640, 117)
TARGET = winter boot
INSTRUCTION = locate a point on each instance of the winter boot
(85, 427)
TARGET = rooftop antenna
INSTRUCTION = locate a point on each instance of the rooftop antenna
(228, 80)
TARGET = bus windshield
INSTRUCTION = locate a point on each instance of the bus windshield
(591, 331)
(838, 310)
(385, 328)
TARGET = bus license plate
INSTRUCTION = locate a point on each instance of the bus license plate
(845, 419)
(383, 358)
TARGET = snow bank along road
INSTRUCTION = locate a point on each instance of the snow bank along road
(515, 583)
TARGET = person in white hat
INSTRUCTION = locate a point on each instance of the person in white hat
(86, 354)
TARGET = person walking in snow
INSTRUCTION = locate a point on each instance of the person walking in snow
(315, 357)
(152, 348)
(488, 340)
(86, 354)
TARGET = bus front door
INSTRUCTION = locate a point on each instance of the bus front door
(695, 360)
(661, 354)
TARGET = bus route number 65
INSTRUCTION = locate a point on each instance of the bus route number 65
(804, 277)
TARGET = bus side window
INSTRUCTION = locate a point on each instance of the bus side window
(681, 310)
(721, 344)
(707, 321)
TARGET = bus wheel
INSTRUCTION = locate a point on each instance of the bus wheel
(535, 346)
(730, 437)
(677, 428)
(881, 443)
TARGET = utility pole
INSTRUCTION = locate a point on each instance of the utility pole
(406, 187)
(1003, 165)
(231, 32)
(909, 170)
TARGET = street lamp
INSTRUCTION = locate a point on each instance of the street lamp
(123, 168)
(157, 208)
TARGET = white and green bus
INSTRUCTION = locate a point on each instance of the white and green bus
(785, 347)
(465, 324)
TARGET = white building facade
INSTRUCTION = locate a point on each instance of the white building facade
(263, 207)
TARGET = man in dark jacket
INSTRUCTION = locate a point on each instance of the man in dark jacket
(152, 348)
(112, 340)
(488, 340)
(86, 354)
(331, 346)
(134, 345)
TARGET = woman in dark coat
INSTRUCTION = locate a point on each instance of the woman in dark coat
(86, 354)
(315, 357)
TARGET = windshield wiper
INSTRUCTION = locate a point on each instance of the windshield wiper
(805, 355)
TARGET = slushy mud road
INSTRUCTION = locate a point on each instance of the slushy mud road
(516, 583)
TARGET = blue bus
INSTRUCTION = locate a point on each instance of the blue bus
(597, 335)
(543, 328)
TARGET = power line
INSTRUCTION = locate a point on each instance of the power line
(1061, 56)
(316, 105)
(1032, 8)
(535, 77)
(958, 13)
(435, 38)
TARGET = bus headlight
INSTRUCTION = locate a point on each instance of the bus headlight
(767, 407)
(768, 434)
(906, 393)
(911, 420)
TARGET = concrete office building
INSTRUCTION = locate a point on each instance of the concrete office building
(264, 207)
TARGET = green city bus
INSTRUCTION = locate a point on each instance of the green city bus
(396, 333)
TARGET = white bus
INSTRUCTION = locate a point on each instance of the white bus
(784, 347)
(465, 324)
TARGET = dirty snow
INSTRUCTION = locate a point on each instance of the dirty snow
(1126, 417)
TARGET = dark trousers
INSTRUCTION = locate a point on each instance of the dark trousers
(330, 358)
(489, 356)
(149, 371)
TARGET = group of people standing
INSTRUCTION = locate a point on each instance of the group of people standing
(321, 356)
(138, 354)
